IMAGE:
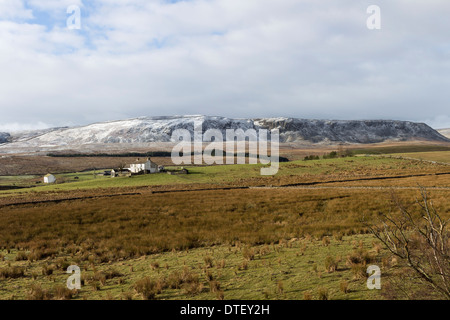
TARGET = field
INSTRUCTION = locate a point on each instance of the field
(295, 172)
(219, 232)
(439, 156)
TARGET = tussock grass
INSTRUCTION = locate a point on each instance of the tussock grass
(148, 288)
(13, 272)
(58, 292)
(278, 273)
(104, 230)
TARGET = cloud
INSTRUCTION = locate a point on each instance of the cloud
(235, 58)
(14, 9)
(53, 5)
(16, 126)
(439, 122)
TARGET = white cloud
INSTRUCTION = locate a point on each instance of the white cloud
(53, 5)
(14, 9)
(227, 57)
(16, 126)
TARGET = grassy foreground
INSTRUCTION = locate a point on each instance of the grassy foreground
(297, 235)
(296, 269)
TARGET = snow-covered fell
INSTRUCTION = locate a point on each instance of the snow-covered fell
(350, 131)
(159, 129)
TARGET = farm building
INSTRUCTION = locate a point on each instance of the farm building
(120, 173)
(49, 178)
(146, 166)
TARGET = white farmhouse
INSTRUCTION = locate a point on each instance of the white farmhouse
(146, 166)
(49, 178)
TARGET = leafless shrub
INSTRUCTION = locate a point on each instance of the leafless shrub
(419, 239)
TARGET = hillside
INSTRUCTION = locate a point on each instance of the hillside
(159, 129)
(445, 132)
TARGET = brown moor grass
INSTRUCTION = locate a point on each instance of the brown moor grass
(107, 229)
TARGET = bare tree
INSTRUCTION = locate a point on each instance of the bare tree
(419, 239)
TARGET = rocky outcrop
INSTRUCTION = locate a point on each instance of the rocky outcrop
(4, 137)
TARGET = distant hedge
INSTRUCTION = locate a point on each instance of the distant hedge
(124, 155)
(136, 154)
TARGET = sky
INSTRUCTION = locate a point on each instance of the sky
(232, 58)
